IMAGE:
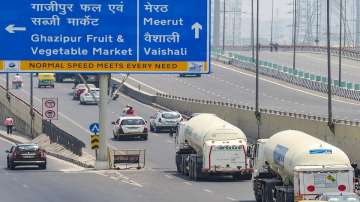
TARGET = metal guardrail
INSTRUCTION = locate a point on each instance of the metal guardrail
(63, 138)
(350, 53)
(248, 108)
(317, 84)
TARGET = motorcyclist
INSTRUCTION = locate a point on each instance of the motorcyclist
(128, 110)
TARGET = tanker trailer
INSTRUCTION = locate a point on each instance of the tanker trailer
(207, 145)
(292, 166)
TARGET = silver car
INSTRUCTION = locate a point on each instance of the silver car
(90, 97)
(165, 121)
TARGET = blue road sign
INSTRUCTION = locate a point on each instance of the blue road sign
(136, 36)
(94, 128)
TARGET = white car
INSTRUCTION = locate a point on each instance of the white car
(130, 126)
(90, 97)
(165, 120)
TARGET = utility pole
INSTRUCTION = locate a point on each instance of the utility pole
(294, 34)
(223, 28)
(317, 23)
(252, 31)
(7, 86)
(330, 122)
(216, 24)
(102, 157)
(257, 111)
(357, 20)
(31, 105)
(272, 25)
(340, 40)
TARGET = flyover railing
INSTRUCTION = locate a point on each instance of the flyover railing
(297, 77)
(57, 135)
(347, 52)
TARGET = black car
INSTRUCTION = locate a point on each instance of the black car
(24, 155)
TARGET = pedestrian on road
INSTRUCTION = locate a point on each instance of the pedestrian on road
(9, 123)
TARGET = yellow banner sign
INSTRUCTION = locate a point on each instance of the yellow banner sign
(105, 66)
(1, 65)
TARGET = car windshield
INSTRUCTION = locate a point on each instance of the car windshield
(133, 122)
(343, 199)
(170, 115)
(28, 148)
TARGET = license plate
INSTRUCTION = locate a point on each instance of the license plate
(28, 156)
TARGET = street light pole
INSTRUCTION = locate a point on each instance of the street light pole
(223, 30)
(252, 31)
(272, 25)
(340, 40)
(257, 111)
(330, 120)
(294, 37)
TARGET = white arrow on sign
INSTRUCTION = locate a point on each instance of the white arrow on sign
(11, 29)
(197, 27)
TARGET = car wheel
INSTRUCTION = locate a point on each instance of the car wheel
(81, 102)
(156, 129)
(7, 164)
(12, 165)
(42, 166)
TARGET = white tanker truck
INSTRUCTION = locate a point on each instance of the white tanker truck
(292, 166)
(208, 145)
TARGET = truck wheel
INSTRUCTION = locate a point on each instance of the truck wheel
(178, 163)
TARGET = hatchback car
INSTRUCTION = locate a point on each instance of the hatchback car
(90, 97)
(130, 126)
(165, 120)
(80, 89)
(24, 155)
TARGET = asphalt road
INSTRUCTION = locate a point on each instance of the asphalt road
(159, 181)
(233, 85)
(314, 63)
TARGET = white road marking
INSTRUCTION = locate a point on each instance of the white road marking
(169, 141)
(207, 190)
(25, 186)
(230, 198)
(285, 86)
(169, 177)
(142, 83)
(157, 135)
(188, 183)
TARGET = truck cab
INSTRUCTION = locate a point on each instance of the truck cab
(257, 156)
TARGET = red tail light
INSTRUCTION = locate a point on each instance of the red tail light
(311, 188)
(341, 187)
(41, 153)
(14, 154)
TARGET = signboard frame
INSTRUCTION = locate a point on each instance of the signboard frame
(180, 66)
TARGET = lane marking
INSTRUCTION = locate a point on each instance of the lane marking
(25, 186)
(207, 190)
(155, 134)
(142, 83)
(188, 183)
(169, 177)
(230, 198)
(284, 86)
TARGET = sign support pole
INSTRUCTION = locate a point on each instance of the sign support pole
(31, 105)
(102, 157)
